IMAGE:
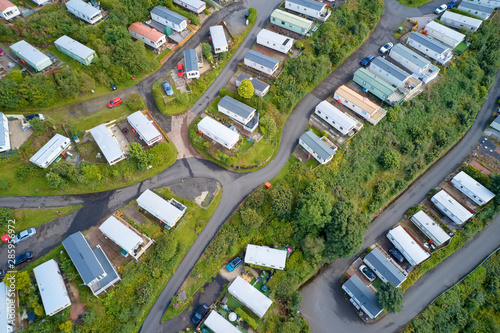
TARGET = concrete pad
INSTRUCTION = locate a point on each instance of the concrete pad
(17, 135)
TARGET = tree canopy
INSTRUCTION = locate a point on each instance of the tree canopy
(390, 298)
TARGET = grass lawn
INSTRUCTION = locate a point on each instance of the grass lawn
(461, 48)
(232, 302)
(33, 217)
(101, 117)
(414, 3)
(377, 283)
(261, 151)
(244, 146)
(164, 53)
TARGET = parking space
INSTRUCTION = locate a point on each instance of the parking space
(18, 135)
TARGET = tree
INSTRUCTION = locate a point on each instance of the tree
(314, 212)
(91, 173)
(20, 280)
(206, 50)
(390, 159)
(37, 125)
(139, 156)
(267, 126)
(313, 246)
(246, 89)
(390, 298)
(69, 84)
(56, 181)
(66, 327)
(135, 102)
(6, 214)
(9, 98)
(281, 202)
(183, 99)
(250, 218)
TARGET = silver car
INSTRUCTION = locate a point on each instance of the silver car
(23, 235)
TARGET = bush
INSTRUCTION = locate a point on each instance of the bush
(246, 89)
(252, 15)
(135, 103)
(390, 159)
(182, 99)
(37, 125)
(4, 184)
(207, 12)
(243, 315)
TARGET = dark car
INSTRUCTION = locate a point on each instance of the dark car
(397, 255)
(22, 258)
(366, 61)
(200, 313)
(168, 88)
(125, 130)
(367, 272)
(33, 116)
(452, 4)
(113, 87)
(233, 264)
(2, 274)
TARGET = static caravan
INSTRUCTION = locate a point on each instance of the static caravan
(168, 212)
(75, 50)
(458, 21)
(342, 122)
(316, 10)
(377, 86)
(476, 9)
(191, 61)
(53, 292)
(260, 62)
(385, 269)
(414, 62)
(322, 152)
(249, 296)
(84, 11)
(218, 132)
(430, 228)
(472, 189)
(8, 10)
(218, 324)
(4, 133)
(407, 245)
(259, 88)
(40, 2)
(361, 105)
(149, 36)
(94, 267)
(219, 40)
(144, 127)
(169, 18)
(444, 34)
(362, 297)
(450, 207)
(30, 55)
(195, 6)
(388, 71)
(274, 41)
(291, 22)
(108, 144)
(489, 3)
(430, 47)
(121, 235)
(242, 113)
(265, 256)
(50, 151)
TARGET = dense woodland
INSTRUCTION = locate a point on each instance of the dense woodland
(118, 57)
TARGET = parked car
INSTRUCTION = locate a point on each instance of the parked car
(2, 274)
(397, 255)
(33, 116)
(22, 258)
(234, 263)
(113, 87)
(452, 4)
(366, 61)
(440, 9)
(386, 47)
(124, 130)
(25, 234)
(168, 88)
(2, 52)
(115, 102)
(367, 273)
(200, 313)
(180, 70)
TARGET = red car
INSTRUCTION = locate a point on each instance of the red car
(180, 70)
(114, 102)
(2, 52)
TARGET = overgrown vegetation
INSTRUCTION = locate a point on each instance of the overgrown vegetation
(471, 306)
(324, 213)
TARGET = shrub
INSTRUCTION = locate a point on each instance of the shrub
(243, 315)
(38, 125)
(390, 159)
(246, 89)
(252, 15)
(135, 103)
(4, 184)
(182, 99)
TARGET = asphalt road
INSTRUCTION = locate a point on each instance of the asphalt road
(237, 186)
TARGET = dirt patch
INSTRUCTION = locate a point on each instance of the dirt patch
(132, 213)
(480, 167)
(96, 237)
(77, 306)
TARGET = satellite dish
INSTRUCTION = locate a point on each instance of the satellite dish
(232, 316)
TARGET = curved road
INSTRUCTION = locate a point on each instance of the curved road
(237, 186)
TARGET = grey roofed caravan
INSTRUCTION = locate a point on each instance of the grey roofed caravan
(258, 85)
(261, 59)
(75, 49)
(316, 144)
(83, 258)
(383, 266)
(363, 296)
(237, 107)
(390, 68)
(168, 15)
(309, 4)
(191, 60)
(429, 43)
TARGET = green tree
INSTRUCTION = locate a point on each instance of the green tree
(313, 246)
(183, 99)
(250, 218)
(267, 126)
(246, 89)
(314, 212)
(21, 280)
(16, 76)
(390, 159)
(141, 157)
(69, 83)
(91, 173)
(66, 327)
(6, 214)
(10, 97)
(390, 298)
(135, 103)
(55, 181)
(281, 201)
(37, 125)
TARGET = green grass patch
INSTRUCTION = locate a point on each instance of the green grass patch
(414, 3)
(83, 124)
(34, 217)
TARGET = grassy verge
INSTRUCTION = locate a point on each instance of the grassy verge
(83, 124)
(34, 217)
(124, 307)
(414, 3)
